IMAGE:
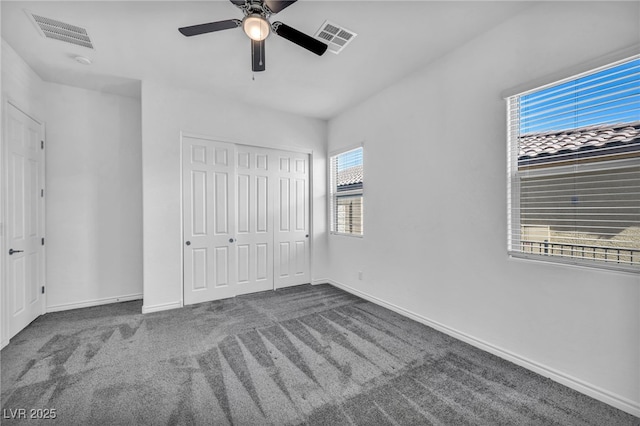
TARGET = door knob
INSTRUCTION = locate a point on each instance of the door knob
(231, 240)
(11, 251)
(188, 243)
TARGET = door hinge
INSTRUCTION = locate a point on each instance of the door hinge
(41, 144)
(42, 192)
(43, 241)
(42, 289)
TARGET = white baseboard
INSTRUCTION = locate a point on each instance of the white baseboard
(147, 309)
(4, 343)
(620, 402)
(320, 281)
(95, 302)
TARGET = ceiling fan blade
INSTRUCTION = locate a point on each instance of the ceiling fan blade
(257, 55)
(299, 38)
(238, 2)
(210, 27)
(276, 6)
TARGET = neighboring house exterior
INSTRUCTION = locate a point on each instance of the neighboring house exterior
(349, 200)
(566, 192)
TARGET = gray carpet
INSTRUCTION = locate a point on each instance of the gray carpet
(305, 355)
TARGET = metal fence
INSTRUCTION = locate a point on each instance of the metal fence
(620, 255)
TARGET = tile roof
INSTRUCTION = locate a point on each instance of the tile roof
(350, 176)
(549, 146)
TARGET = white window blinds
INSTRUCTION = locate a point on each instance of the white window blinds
(346, 192)
(574, 170)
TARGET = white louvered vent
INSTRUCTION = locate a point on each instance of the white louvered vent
(57, 30)
(335, 36)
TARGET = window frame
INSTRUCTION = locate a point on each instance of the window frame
(515, 176)
(333, 196)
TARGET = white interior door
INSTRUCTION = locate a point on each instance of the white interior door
(245, 219)
(291, 238)
(25, 213)
(208, 179)
(254, 228)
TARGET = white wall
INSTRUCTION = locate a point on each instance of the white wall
(93, 197)
(435, 150)
(20, 83)
(168, 111)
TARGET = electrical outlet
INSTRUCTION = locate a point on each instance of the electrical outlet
(360, 275)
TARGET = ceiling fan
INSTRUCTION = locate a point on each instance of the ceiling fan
(257, 27)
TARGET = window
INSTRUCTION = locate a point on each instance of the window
(346, 192)
(574, 170)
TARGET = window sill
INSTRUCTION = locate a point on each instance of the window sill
(607, 267)
(342, 234)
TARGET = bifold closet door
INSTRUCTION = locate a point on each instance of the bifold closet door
(208, 184)
(245, 219)
(254, 213)
(291, 238)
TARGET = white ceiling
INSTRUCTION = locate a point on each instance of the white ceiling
(139, 40)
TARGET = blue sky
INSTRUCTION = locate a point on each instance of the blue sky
(606, 97)
(349, 159)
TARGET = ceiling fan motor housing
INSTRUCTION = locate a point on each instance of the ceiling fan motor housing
(256, 8)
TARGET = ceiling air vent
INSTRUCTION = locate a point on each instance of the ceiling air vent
(335, 36)
(57, 30)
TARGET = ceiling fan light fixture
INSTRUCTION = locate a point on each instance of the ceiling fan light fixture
(256, 27)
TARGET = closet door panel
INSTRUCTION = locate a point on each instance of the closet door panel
(255, 220)
(208, 189)
(292, 233)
